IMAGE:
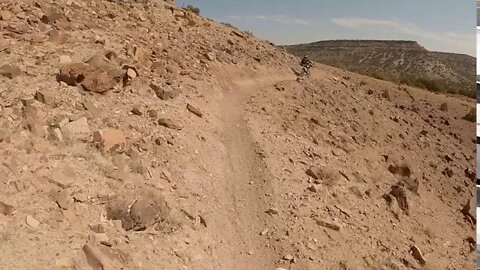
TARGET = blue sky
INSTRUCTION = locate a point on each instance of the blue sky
(440, 25)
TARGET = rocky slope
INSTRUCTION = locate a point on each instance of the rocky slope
(397, 61)
(137, 135)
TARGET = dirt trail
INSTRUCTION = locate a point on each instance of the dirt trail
(248, 188)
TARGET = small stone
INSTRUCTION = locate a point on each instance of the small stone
(52, 17)
(77, 128)
(272, 211)
(65, 262)
(98, 228)
(64, 178)
(194, 110)
(6, 15)
(288, 257)
(6, 209)
(63, 122)
(469, 210)
(58, 134)
(331, 225)
(162, 94)
(136, 110)
(168, 123)
(99, 260)
(62, 199)
(153, 113)
(131, 73)
(411, 264)
(386, 94)
(159, 141)
(92, 108)
(312, 246)
(10, 71)
(32, 222)
(65, 59)
(447, 172)
(444, 107)
(314, 172)
(58, 37)
(250, 252)
(202, 221)
(110, 140)
(264, 232)
(312, 188)
(417, 254)
(209, 56)
(100, 238)
(46, 97)
(400, 195)
(80, 197)
(27, 101)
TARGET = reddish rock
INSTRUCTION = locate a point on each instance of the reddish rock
(110, 140)
(93, 77)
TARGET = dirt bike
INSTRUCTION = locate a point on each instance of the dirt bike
(306, 70)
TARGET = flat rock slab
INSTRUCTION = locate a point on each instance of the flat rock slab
(110, 140)
(10, 71)
(77, 128)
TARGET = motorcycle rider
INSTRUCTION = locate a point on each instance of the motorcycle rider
(305, 63)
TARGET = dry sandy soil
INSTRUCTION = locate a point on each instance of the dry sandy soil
(142, 136)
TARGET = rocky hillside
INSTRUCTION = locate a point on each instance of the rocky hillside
(397, 61)
(139, 135)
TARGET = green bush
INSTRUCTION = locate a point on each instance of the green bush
(195, 10)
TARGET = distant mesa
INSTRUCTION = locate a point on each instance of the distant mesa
(400, 61)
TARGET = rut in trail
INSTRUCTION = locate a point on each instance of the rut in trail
(248, 187)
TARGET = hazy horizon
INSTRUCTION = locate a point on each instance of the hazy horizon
(286, 22)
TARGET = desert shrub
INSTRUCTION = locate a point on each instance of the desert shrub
(229, 25)
(384, 76)
(433, 85)
(467, 93)
(195, 10)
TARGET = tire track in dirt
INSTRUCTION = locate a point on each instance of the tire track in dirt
(248, 187)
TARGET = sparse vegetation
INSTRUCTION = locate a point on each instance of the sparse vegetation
(403, 62)
(229, 25)
(195, 10)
